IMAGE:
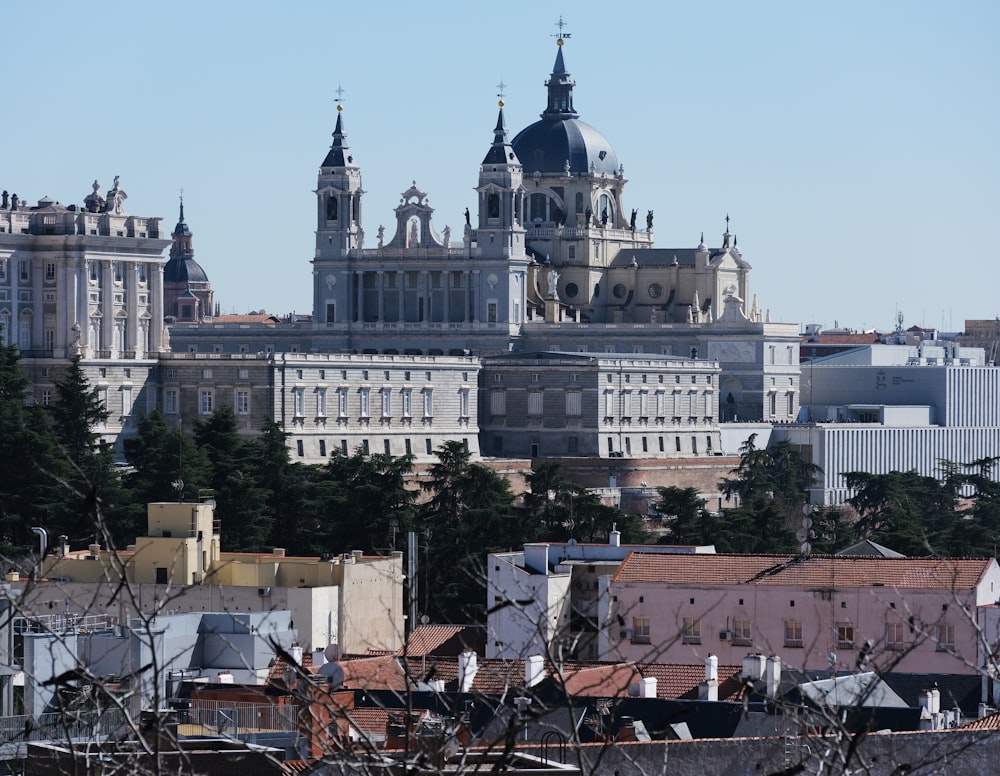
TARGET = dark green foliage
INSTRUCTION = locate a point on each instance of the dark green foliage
(771, 485)
(95, 502)
(240, 501)
(367, 505)
(684, 509)
(470, 513)
(919, 515)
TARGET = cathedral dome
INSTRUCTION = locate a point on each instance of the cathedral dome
(560, 138)
(183, 269)
(547, 145)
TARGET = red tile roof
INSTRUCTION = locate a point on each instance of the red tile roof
(427, 638)
(991, 722)
(848, 571)
(603, 680)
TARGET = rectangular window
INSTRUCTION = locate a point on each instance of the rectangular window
(300, 448)
(206, 401)
(640, 630)
(945, 637)
(50, 271)
(322, 448)
(386, 403)
(609, 404)
(895, 635)
(845, 635)
(643, 403)
(365, 394)
(385, 447)
(408, 447)
(342, 403)
(742, 633)
(298, 402)
(491, 312)
(407, 399)
(772, 400)
(321, 402)
(169, 401)
(206, 374)
(573, 404)
(793, 633)
(691, 631)
(498, 403)
(428, 403)
(243, 402)
(243, 374)
(535, 402)
(126, 401)
(463, 403)
(791, 404)
(46, 398)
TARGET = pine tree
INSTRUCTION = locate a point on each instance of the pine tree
(240, 501)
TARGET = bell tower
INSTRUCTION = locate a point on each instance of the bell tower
(500, 231)
(338, 225)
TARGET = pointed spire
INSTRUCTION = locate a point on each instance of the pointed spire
(338, 156)
(560, 85)
(181, 229)
(501, 152)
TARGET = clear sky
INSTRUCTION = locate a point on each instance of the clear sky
(854, 144)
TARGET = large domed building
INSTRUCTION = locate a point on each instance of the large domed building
(187, 292)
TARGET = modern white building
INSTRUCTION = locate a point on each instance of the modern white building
(883, 408)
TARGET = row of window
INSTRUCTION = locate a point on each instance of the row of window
(624, 445)
(898, 635)
(364, 404)
(365, 447)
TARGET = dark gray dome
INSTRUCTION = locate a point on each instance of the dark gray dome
(183, 269)
(547, 145)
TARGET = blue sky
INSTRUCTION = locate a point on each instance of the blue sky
(853, 144)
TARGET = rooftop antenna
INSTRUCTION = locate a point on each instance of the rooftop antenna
(178, 484)
(561, 35)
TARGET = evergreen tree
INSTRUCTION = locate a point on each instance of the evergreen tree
(685, 511)
(240, 502)
(166, 465)
(469, 514)
(94, 494)
(32, 472)
(372, 487)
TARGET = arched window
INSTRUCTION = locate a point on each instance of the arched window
(539, 204)
(493, 206)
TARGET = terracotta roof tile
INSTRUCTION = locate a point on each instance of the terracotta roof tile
(848, 571)
(426, 638)
(991, 722)
(673, 681)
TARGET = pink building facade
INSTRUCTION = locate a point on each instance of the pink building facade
(917, 615)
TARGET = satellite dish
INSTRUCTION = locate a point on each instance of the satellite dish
(802, 534)
(334, 674)
(807, 522)
(805, 548)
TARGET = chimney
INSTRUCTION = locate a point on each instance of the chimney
(753, 668)
(772, 676)
(278, 552)
(709, 689)
(319, 658)
(647, 687)
(466, 670)
(615, 537)
(63, 545)
(534, 670)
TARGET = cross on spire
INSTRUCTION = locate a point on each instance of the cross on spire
(339, 99)
(501, 86)
(561, 35)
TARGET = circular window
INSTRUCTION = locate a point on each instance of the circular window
(655, 290)
(571, 290)
(619, 291)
